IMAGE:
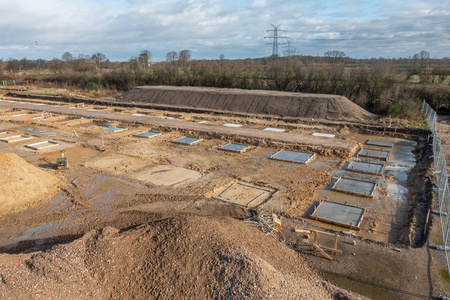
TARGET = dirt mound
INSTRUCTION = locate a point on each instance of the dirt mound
(173, 258)
(22, 185)
(329, 107)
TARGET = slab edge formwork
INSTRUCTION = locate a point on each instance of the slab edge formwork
(142, 134)
(350, 226)
(376, 157)
(335, 189)
(235, 151)
(36, 147)
(293, 161)
(367, 172)
(19, 138)
(186, 144)
(265, 192)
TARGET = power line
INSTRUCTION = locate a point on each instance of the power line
(275, 38)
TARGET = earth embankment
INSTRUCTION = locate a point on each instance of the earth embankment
(284, 104)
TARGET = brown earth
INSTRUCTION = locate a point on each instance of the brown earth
(182, 257)
(103, 192)
(23, 185)
(317, 106)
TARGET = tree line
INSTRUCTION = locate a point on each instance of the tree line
(384, 86)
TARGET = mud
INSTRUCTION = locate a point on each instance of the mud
(103, 189)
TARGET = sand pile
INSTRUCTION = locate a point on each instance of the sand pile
(285, 104)
(173, 258)
(23, 185)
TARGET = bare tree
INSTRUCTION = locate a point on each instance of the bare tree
(172, 56)
(424, 58)
(184, 55)
(335, 55)
(67, 56)
(144, 58)
(98, 58)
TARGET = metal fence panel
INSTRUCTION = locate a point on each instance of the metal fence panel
(440, 171)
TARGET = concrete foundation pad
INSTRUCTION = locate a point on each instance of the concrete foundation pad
(42, 145)
(186, 140)
(293, 156)
(16, 138)
(116, 129)
(365, 168)
(327, 135)
(372, 153)
(232, 125)
(232, 147)
(168, 176)
(148, 134)
(339, 214)
(381, 143)
(243, 194)
(274, 129)
(355, 187)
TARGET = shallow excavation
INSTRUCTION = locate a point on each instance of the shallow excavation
(121, 180)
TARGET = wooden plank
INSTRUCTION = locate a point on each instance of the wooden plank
(316, 247)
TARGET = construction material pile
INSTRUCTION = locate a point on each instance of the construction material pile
(23, 185)
(284, 104)
(183, 257)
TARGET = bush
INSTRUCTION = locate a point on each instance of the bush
(92, 86)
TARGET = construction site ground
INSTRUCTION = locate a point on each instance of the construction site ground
(117, 179)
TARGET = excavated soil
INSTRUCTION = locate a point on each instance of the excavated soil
(23, 185)
(317, 106)
(183, 257)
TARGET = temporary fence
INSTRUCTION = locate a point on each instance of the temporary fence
(440, 170)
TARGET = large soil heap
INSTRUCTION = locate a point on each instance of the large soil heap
(285, 104)
(22, 185)
(174, 258)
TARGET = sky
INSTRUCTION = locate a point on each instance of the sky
(121, 29)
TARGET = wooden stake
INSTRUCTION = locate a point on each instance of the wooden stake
(426, 222)
(316, 247)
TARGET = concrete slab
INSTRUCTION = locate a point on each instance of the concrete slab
(232, 147)
(116, 129)
(243, 194)
(381, 143)
(366, 168)
(2, 132)
(372, 153)
(186, 140)
(139, 115)
(355, 187)
(339, 214)
(15, 138)
(169, 176)
(274, 129)
(293, 156)
(232, 125)
(148, 134)
(42, 145)
(327, 135)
